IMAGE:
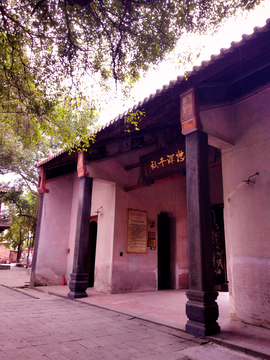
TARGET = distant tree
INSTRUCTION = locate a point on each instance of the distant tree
(23, 208)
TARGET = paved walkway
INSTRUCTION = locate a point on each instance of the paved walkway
(160, 308)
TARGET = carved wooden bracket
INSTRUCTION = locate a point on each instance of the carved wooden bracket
(189, 111)
(42, 181)
(81, 164)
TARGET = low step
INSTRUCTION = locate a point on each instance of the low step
(4, 266)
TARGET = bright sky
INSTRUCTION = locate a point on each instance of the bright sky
(232, 30)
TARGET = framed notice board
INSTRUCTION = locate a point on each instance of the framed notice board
(137, 232)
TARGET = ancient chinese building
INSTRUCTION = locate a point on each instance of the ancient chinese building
(143, 210)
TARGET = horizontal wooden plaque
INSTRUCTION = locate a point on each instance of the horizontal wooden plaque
(163, 163)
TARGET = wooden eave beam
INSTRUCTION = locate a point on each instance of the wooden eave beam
(164, 180)
(156, 182)
(131, 166)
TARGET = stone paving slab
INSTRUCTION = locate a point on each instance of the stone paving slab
(252, 340)
(56, 328)
(15, 276)
(249, 339)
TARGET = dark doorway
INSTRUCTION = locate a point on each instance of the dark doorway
(219, 250)
(91, 255)
(164, 252)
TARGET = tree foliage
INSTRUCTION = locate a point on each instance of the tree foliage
(29, 110)
(132, 120)
(22, 161)
(50, 50)
(117, 38)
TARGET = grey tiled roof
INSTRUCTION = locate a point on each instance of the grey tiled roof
(179, 79)
(257, 30)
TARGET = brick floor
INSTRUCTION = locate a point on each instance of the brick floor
(144, 325)
(56, 328)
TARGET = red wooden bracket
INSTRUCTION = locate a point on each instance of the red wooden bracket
(81, 164)
(42, 181)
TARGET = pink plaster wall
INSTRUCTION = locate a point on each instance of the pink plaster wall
(103, 205)
(7, 255)
(54, 232)
(247, 209)
(216, 186)
(73, 225)
(219, 129)
(169, 197)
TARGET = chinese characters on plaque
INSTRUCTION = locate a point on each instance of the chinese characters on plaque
(163, 163)
(189, 116)
(137, 232)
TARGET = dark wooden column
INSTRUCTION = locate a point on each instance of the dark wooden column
(78, 283)
(201, 307)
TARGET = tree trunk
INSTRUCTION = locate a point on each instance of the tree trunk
(19, 247)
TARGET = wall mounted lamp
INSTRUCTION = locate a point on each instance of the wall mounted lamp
(248, 181)
(99, 210)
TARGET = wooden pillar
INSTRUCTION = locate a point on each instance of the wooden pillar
(78, 283)
(201, 307)
(79, 277)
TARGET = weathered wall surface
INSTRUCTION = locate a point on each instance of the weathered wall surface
(103, 205)
(216, 187)
(247, 209)
(7, 254)
(169, 197)
(219, 129)
(54, 232)
(72, 228)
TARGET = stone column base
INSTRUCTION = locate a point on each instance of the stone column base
(77, 286)
(202, 311)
